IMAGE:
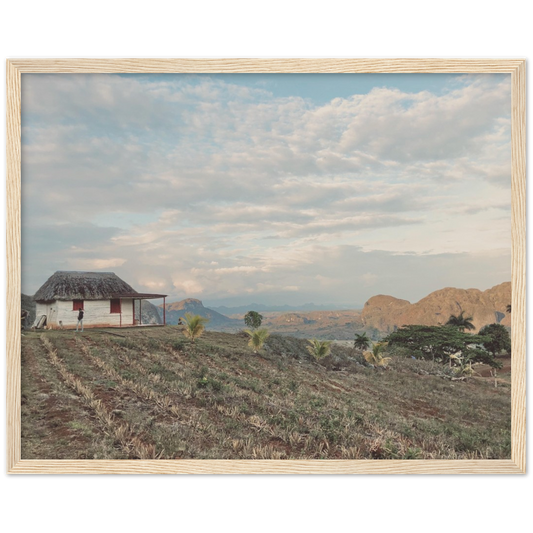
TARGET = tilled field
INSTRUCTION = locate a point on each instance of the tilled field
(150, 393)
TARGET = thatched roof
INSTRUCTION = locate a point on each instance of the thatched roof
(65, 285)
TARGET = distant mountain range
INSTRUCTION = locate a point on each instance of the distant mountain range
(386, 313)
(243, 309)
(217, 321)
(380, 315)
(325, 324)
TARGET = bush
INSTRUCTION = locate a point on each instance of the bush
(319, 349)
(194, 326)
(257, 338)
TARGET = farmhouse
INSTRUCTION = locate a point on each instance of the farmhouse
(107, 300)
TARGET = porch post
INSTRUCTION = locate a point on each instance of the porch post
(140, 311)
(164, 312)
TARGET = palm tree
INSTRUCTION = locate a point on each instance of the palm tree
(461, 322)
(375, 358)
(194, 325)
(319, 349)
(508, 308)
(361, 341)
(257, 338)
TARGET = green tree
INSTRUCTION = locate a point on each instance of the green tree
(253, 319)
(440, 343)
(319, 349)
(461, 322)
(361, 341)
(194, 326)
(257, 338)
(498, 338)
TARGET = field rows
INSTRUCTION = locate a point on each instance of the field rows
(153, 394)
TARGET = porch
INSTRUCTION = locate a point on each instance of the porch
(138, 296)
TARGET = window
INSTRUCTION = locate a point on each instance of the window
(115, 306)
(77, 305)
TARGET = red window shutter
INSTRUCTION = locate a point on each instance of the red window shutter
(115, 306)
(77, 305)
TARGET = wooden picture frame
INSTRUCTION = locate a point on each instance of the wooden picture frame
(16, 67)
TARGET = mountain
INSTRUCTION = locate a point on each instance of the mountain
(177, 310)
(241, 310)
(340, 325)
(150, 313)
(386, 313)
(28, 303)
(322, 324)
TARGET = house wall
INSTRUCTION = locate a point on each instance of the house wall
(49, 309)
(96, 314)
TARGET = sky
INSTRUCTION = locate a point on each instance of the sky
(269, 188)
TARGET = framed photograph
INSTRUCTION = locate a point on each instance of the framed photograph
(275, 266)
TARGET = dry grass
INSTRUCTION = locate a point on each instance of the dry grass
(152, 393)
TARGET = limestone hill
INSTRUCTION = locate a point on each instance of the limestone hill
(177, 310)
(385, 313)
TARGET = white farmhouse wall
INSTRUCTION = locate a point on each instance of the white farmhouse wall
(127, 312)
(96, 313)
(50, 310)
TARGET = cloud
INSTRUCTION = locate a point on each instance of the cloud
(193, 185)
(337, 225)
(188, 287)
(97, 264)
(369, 278)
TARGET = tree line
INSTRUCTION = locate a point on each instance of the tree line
(446, 344)
(449, 343)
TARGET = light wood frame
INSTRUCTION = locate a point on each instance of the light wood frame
(516, 67)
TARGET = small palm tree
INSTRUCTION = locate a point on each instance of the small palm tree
(319, 349)
(461, 322)
(464, 362)
(194, 325)
(257, 338)
(375, 358)
(508, 308)
(361, 341)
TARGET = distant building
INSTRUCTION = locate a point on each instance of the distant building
(107, 300)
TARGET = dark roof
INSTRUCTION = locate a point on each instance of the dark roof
(64, 285)
(139, 295)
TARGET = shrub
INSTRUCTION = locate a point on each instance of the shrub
(375, 358)
(257, 338)
(319, 349)
(194, 325)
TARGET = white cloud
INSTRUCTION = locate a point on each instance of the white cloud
(96, 264)
(369, 278)
(188, 287)
(231, 190)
